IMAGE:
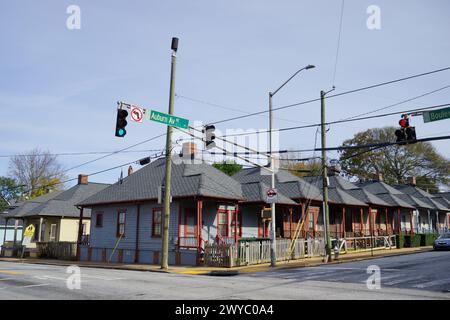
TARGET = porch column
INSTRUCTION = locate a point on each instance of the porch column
(16, 226)
(399, 227)
(41, 220)
(437, 221)
(302, 208)
(179, 225)
(199, 222)
(80, 233)
(236, 229)
(343, 222)
(411, 220)
(6, 228)
(290, 222)
(386, 214)
(138, 218)
(429, 221)
(362, 221)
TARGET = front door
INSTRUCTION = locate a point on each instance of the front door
(190, 227)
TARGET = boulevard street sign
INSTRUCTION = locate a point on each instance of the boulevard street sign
(436, 115)
(168, 119)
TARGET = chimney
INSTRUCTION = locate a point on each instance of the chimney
(378, 177)
(130, 170)
(82, 179)
(189, 150)
(334, 170)
(412, 181)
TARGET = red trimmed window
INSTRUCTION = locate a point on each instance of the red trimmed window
(226, 222)
(222, 223)
(99, 219)
(157, 222)
(233, 226)
(121, 219)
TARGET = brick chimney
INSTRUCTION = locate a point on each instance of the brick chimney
(82, 179)
(189, 150)
(412, 181)
(130, 170)
(378, 177)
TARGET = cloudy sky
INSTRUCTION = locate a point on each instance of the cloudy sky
(59, 87)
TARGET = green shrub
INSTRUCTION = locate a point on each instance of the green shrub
(400, 240)
(427, 239)
(411, 240)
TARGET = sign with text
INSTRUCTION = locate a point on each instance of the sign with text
(168, 119)
(436, 115)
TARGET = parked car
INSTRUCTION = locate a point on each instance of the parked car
(443, 242)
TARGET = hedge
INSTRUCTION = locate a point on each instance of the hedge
(408, 241)
(428, 239)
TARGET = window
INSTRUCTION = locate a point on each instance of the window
(222, 223)
(53, 232)
(99, 219)
(157, 222)
(121, 223)
(311, 220)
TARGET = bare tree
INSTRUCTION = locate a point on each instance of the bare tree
(38, 170)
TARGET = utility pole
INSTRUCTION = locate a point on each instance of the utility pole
(273, 246)
(326, 213)
(165, 237)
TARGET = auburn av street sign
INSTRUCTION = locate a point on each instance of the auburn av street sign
(168, 119)
(436, 115)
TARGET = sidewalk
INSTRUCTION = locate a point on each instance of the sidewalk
(308, 262)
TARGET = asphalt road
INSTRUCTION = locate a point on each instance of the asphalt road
(415, 276)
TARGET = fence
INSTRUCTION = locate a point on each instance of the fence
(58, 250)
(258, 251)
(366, 243)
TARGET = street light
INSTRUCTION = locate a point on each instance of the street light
(273, 256)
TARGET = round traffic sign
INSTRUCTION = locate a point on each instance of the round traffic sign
(136, 114)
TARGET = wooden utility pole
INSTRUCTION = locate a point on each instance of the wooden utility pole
(165, 236)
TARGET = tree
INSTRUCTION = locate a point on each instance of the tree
(38, 170)
(396, 163)
(229, 168)
(301, 168)
(9, 190)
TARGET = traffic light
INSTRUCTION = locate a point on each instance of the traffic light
(406, 133)
(209, 136)
(121, 123)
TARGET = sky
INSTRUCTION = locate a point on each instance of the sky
(59, 86)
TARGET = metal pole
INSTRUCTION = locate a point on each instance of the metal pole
(273, 248)
(165, 238)
(325, 180)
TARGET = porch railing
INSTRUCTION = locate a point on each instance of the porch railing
(188, 242)
(57, 250)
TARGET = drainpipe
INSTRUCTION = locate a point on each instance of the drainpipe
(136, 249)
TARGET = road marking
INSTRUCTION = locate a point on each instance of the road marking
(391, 283)
(100, 277)
(35, 285)
(11, 272)
(432, 283)
(5, 279)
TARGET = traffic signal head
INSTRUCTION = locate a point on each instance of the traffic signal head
(209, 136)
(121, 123)
(404, 123)
(401, 135)
(411, 134)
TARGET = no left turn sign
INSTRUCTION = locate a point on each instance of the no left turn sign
(271, 195)
(137, 114)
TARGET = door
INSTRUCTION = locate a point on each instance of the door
(190, 227)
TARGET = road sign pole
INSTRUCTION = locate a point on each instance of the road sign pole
(165, 238)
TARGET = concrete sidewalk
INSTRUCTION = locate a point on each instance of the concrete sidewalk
(193, 270)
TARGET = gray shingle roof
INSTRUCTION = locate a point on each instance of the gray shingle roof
(198, 179)
(445, 195)
(424, 196)
(25, 206)
(386, 193)
(256, 192)
(63, 203)
(286, 183)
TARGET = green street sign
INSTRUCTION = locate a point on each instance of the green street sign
(168, 119)
(436, 115)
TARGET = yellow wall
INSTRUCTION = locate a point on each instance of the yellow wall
(68, 230)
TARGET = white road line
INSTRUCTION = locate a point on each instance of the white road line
(100, 277)
(362, 269)
(391, 283)
(432, 283)
(35, 285)
(5, 279)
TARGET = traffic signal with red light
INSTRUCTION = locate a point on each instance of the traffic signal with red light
(406, 133)
(121, 123)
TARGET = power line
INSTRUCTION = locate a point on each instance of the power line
(334, 95)
(339, 41)
(77, 153)
(341, 121)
